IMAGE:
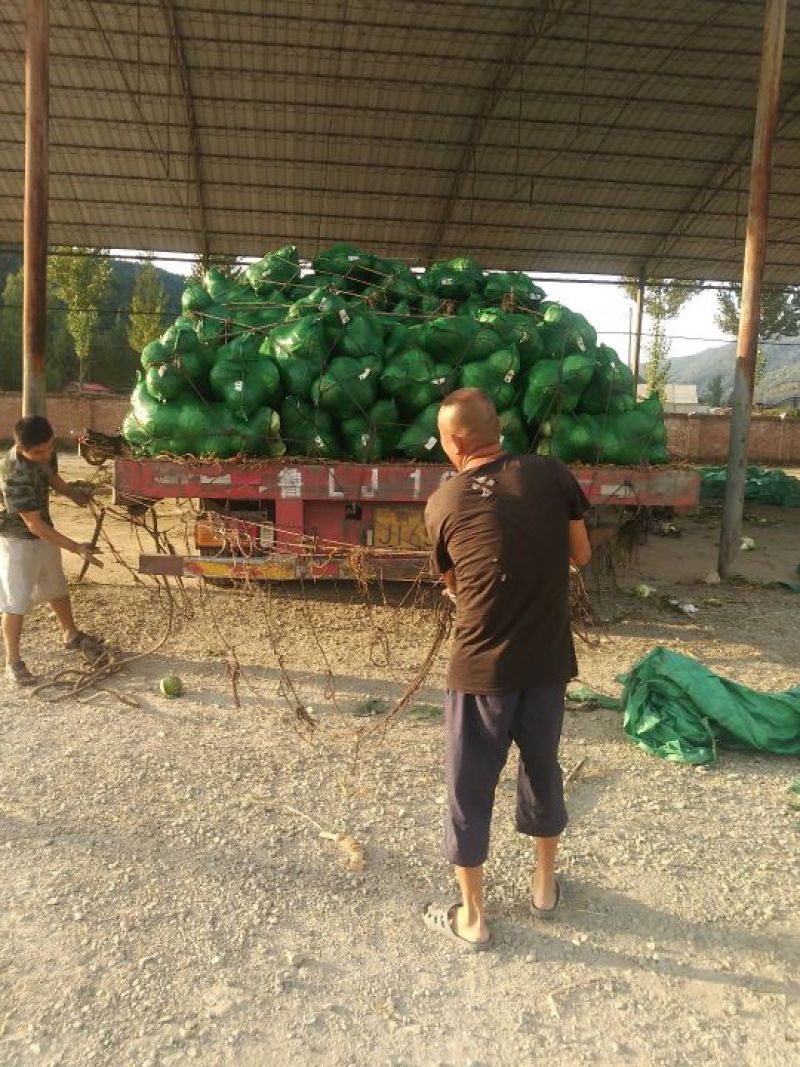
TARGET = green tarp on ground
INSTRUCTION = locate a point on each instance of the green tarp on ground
(772, 487)
(677, 709)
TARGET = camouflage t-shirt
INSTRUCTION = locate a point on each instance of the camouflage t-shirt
(24, 486)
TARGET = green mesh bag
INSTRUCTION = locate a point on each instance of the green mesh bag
(407, 378)
(307, 431)
(133, 433)
(260, 433)
(555, 385)
(513, 288)
(470, 307)
(496, 375)
(610, 390)
(347, 261)
(443, 338)
(213, 324)
(575, 438)
(396, 280)
(565, 332)
(513, 435)
(308, 305)
(153, 354)
(348, 387)
(455, 279)
(300, 349)
(384, 418)
(420, 440)
(194, 298)
(359, 337)
(153, 418)
(180, 337)
(281, 267)
(429, 305)
(360, 440)
(166, 381)
(637, 436)
(244, 379)
(219, 286)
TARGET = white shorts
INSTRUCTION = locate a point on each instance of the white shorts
(30, 573)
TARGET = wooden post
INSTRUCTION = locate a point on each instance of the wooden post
(34, 298)
(752, 278)
(637, 337)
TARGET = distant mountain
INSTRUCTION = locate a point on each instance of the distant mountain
(782, 379)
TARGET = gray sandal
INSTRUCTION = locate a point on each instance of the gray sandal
(548, 913)
(92, 648)
(440, 919)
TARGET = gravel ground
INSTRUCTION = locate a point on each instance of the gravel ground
(166, 894)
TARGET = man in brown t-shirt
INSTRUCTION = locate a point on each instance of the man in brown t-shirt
(503, 531)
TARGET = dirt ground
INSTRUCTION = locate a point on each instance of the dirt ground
(166, 894)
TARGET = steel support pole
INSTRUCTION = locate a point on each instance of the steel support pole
(637, 337)
(752, 278)
(34, 298)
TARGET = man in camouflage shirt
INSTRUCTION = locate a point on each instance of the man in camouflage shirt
(30, 547)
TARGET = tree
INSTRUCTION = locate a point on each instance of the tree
(60, 363)
(80, 277)
(779, 316)
(148, 307)
(11, 333)
(715, 391)
(663, 300)
(760, 372)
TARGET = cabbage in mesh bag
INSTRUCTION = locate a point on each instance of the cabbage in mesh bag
(278, 268)
(513, 435)
(361, 440)
(307, 431)
(610, 390)
(243, 378)
(408, 378)
(512, 287)
(455, 279)
(420, 440)
(496, 375)
(348, 386)
(555, 385)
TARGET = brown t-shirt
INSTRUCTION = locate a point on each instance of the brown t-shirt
(504, 528)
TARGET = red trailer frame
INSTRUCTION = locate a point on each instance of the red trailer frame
(285, 519)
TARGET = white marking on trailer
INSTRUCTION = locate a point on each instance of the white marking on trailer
(371, 489)
(416, 478)
(219, 479)
(170, 479)
(617, 490)
(332, 490)
(290, 483)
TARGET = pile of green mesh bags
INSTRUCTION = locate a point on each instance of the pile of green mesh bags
(771, 487)
(352, 359)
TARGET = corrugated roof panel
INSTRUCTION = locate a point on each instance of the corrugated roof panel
(585, 137)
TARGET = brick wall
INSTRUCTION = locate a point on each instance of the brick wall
(68, 414)
(693, 438)
(704, 439)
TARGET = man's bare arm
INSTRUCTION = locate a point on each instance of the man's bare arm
(80, 495)
(39, 528)
(580, 551)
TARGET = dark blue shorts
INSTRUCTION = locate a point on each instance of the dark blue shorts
(478, 734)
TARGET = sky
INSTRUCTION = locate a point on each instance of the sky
(605, 305)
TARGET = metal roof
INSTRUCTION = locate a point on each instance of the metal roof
(556, 135)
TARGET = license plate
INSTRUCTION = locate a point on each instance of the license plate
(401, 528)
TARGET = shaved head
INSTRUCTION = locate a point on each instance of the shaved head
(470, 416)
